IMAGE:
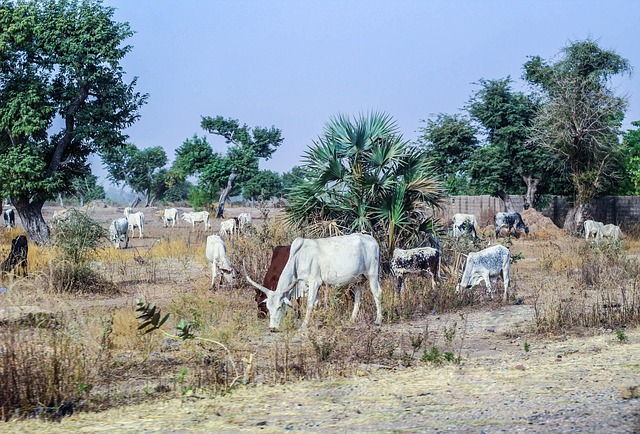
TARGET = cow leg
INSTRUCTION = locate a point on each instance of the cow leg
(487, 282)
(374, 284)
(399, 287)
(311, 299)
(214, 272)
(505, 281)
(356, 301)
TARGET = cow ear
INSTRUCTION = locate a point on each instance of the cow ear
(287, 302)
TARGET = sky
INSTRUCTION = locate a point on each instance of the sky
(295, 64)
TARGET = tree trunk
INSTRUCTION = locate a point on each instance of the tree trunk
(32, 221)
(574, 219)
(506, 199)
(60, 200)
(134, 202)
(224, 195)
(532, 188)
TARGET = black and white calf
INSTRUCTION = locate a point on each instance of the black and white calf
(17, 258)
(9, 218)
(464, 224)
(510, 220)
(420, 261)
(485, 264)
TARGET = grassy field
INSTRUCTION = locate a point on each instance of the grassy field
(558, 352)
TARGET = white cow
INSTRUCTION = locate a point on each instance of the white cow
(611, 231)
(592, 227)
(117, 230)
(484, 265)
(197, 217)
(334, 261)
(464, 224)
(216, 254)
(135, 219)
(228, 227)
(244, 221)
(170, 215)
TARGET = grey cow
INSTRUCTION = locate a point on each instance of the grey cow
(485, 264)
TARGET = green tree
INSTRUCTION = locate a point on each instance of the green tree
(265, 185)
(580, 119)
(362, 175)
(86, 189)
(449, 141)
(59, 61)
(245, 147)
(141, 169)
(508, 165)
(630, 182)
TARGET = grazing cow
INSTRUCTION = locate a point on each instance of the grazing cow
(9, 218)
(135, 219)
(118, 229)
(197, 217)
(170, 215)
(244, 221)
(611, 231)
(228, 227)
(278, 261)
(420, 261)
(216, 254)
(592, 227)
(464, 224)
(335, 261)
(484, 265)
(17, 256)
(509, 220)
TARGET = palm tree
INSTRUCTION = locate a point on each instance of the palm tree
(362, 176)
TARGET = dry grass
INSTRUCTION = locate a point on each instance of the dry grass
(110, 362)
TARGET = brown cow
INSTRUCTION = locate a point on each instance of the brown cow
(278, 261)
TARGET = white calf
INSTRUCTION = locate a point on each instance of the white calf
(170, 214)
(227, 227)
(244, 221)
(592, 227)
(216, 254)
(197, 217)
(611, 231)
(134, 219)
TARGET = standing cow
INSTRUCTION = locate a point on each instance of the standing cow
(611, 231)
(117, 229)
(592, 227)
(170, 215)
(464, 224)
(335, 261)
(9, 218)
(485, 264)
(279, 259)
(216, 254)
(510, 220)
(420, 261)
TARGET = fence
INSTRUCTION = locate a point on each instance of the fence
(606, 209)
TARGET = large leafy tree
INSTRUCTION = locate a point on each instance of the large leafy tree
(246, 146)
(265, 185)
(141, 169)
(62, 97)
(449, 141)
(507, 164)
(360, 175)
(581, 118)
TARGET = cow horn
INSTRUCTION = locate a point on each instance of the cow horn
(257, 285)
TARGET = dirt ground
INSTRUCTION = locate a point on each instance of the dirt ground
(566, 383)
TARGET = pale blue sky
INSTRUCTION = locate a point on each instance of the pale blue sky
(294, 64)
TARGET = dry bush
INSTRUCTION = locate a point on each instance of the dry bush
(590, 285)
(42, 372)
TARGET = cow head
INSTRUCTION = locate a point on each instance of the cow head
(277, 301)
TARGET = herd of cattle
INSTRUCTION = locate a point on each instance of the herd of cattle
(300, 269)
